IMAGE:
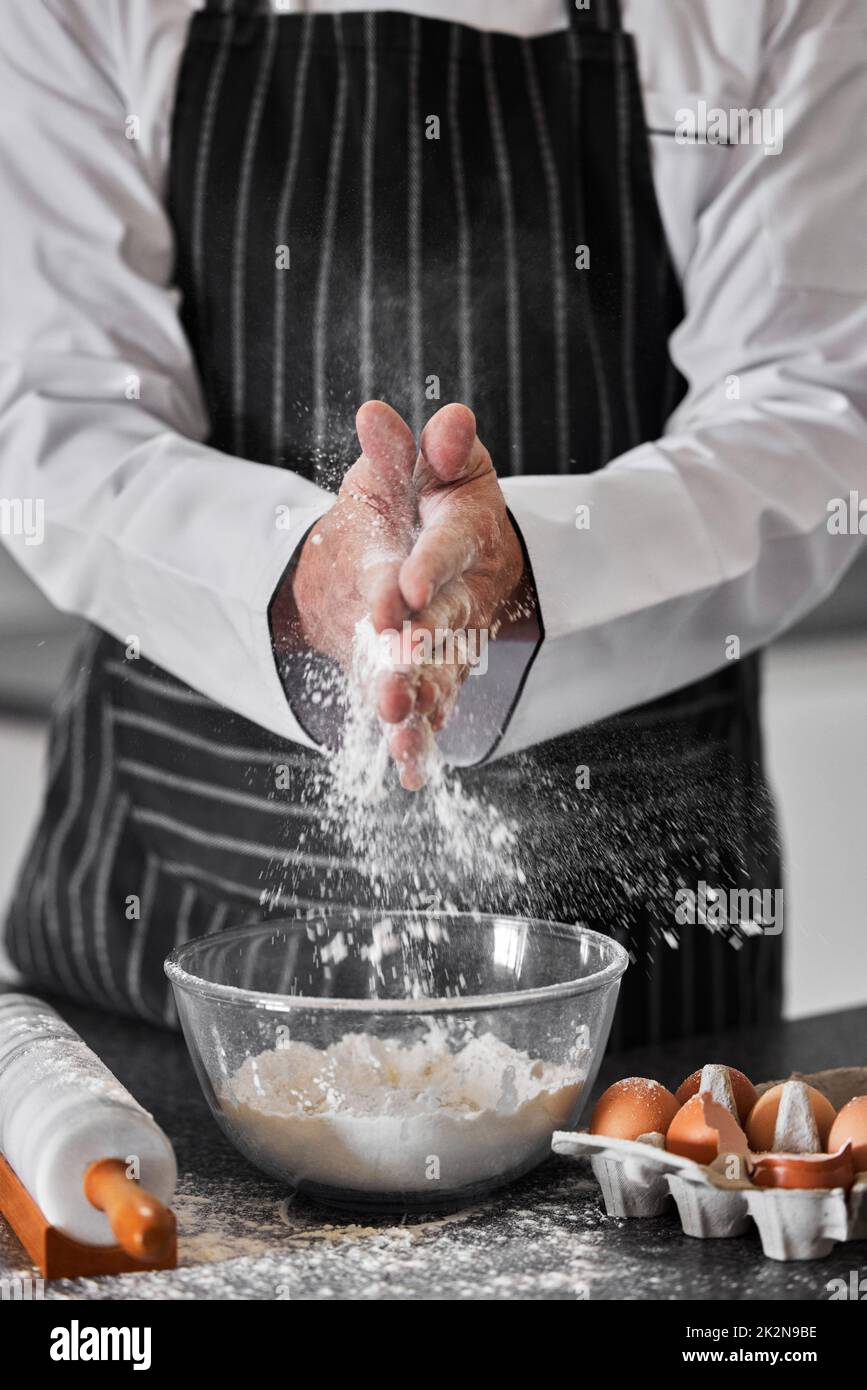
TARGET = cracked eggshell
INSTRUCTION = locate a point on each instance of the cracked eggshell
(804, 1171)
(690, 1135)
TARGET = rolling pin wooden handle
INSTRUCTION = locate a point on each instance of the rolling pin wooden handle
(141, 1224)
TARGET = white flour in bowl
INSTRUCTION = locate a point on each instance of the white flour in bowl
(373, 1115)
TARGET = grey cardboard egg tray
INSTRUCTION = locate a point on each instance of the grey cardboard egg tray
(638, 1177)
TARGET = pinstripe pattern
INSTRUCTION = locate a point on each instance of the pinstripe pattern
(365, 308)
(57, 948)
(413, 218)
(606, 19)
(183, 932)
(465, 345)
(23, 926)
(95, 835)
(281, 238)
(251, 959)
(134, 981)
(185, 871)
(627, 230)
(240, 892)
(203, 161)
(192, 786)
(404, 252)
(320, 313)
(164, 729)
(513, 298)
(153, 686)
(588, 319)
(290, 966)
(103, 874)
(218, 917)
(42, 968)
(265, 850)
(251, 138)
(558, 261)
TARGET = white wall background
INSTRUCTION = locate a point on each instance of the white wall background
(816, 730)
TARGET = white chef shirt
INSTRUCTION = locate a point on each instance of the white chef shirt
(717, 529)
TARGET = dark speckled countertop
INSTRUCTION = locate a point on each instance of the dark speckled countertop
(545, 1237)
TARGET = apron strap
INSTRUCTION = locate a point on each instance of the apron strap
(593, 14)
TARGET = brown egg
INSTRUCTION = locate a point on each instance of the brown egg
(851, 1125)
(744, 1091)
(689, 1135)
(631, 1107)
(762, 1119)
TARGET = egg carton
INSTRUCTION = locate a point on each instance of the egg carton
(639, 1178)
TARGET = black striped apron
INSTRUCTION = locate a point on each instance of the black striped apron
(431, 184)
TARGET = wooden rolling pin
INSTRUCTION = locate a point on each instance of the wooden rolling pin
(96, 1164)
(142, 1225)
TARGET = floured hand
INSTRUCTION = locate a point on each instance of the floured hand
(464, 573)
(419, 536)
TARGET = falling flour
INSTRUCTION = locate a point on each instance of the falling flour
(605, 826)
(375, 1115)
(443, 847)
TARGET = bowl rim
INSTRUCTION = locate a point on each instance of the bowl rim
(183, 980)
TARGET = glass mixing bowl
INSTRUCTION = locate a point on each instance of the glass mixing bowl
(397, 1060)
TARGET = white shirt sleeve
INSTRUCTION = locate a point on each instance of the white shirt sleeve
(147, 532)
(720, 529)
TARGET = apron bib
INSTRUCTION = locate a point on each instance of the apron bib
(381, 205)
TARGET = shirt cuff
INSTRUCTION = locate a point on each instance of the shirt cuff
(489, 697)
(281, 716)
